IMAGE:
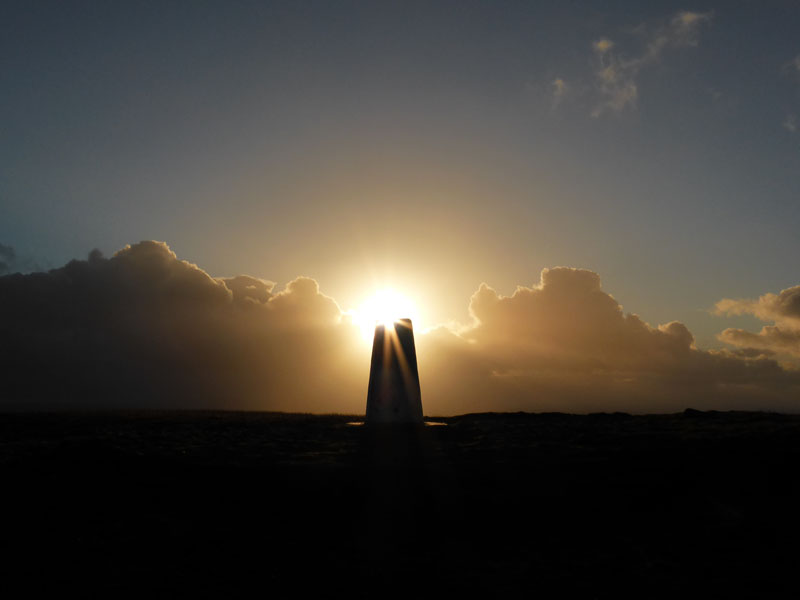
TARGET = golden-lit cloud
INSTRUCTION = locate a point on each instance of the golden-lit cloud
(146, 329)
(565, 344)
(782, 309)
(684, 26)
(603, 45)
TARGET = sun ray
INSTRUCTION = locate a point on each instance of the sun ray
(384, 307)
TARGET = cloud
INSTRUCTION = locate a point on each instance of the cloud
(782, 309)
(559, 87)
(603, 45)
(144, 329)
(684, 27)
(616, 74)
(784, 306)
(12, 262)
(772, 339)
(248, 290)
(565, 344)
(791, 69)
(7, 258)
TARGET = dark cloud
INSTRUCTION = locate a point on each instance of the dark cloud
(146, 329)
(12, 262)
(7, 257)
(752, 352)
(249, 290)
(143, 328)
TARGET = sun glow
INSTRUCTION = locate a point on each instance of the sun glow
(384, 307)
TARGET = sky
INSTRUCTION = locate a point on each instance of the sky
(427, 147)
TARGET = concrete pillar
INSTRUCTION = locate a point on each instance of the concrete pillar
(394, 393)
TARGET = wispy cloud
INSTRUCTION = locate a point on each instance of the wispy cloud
(616, 74)
(12, 262)
(792, 70)
(559, 88)
(602, 45)
(7, 258)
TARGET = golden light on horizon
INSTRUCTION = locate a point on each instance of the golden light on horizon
(384, 307)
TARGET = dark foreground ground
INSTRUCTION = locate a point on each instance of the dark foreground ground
(221, 505)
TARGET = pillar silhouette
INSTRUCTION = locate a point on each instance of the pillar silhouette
(394, 394)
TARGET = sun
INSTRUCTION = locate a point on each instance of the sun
(384, 307)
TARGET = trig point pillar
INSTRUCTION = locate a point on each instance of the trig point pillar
(394, 394)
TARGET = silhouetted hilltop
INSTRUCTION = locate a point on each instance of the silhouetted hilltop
(227, 504)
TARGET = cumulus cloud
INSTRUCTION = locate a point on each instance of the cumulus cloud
(616, 74)
(782, 309)
(146, 329)
(565, 344)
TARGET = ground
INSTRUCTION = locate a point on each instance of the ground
(228, 505)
